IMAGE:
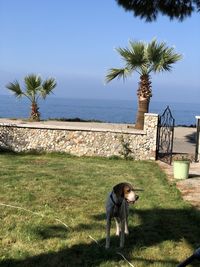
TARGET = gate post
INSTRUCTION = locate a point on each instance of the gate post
(197, 151)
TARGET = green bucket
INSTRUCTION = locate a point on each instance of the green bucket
(181, 169)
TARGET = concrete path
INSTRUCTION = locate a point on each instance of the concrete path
(184, 140)
(184, 143)
(189, 188)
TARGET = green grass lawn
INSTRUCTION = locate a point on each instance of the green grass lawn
(69, 190)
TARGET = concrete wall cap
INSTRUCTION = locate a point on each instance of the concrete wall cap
(151, 114)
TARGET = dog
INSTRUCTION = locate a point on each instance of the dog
(117, 206)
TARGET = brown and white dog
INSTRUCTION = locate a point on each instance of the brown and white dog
(117, 206)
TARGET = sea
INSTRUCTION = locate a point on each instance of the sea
(113, 111)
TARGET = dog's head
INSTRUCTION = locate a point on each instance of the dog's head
(126, 191)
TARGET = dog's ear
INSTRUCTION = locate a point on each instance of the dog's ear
(119, 190)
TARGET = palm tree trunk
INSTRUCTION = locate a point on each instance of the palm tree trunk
(143, 107)
(35, 114)
(144, 95)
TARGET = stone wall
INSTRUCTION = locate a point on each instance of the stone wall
(81, 138)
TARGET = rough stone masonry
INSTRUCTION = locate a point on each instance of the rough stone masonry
(81, 139)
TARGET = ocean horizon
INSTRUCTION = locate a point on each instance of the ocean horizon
(113, 111)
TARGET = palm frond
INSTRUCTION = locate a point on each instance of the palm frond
(169, 57)
(155, 51)
(119, 73)
(47, 87)
(161, 57)
(15, 88)
(33, 84)
(134, 56)
(144, 58)
(137, 47)
(125, 53)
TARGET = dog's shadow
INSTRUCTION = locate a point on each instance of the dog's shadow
(158, 225)
(52, 231)
(155, 226)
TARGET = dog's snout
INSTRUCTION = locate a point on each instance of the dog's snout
(136, 197)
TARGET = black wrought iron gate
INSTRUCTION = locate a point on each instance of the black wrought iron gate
(165, 136)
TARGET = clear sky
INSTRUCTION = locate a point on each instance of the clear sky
(74, 42)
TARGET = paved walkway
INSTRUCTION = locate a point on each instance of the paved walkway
(189, 188)
(184, 140)
(184, 143)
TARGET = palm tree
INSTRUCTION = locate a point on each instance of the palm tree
(144, 59)
(34, 89)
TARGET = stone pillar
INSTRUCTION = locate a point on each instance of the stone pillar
(197, 152)
(150, 127)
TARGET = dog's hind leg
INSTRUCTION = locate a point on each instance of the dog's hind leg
(108, 225)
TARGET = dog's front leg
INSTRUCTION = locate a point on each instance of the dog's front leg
(126, 218)
(118, 229)
(122, 233)
(108, 224)
(126, 226)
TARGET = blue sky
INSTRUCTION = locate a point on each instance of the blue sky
(74, 42)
